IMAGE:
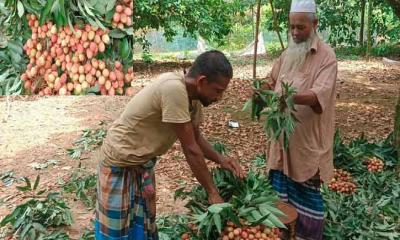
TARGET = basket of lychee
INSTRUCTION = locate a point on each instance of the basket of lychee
(231, 231)
(374, 165)
(246, 232)
(342, 182)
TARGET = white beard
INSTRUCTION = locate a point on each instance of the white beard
(296, 54)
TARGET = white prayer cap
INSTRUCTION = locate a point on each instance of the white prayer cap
(303, 6)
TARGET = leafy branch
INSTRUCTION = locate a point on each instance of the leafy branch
(89, 140)
(83, 186)
(249, 202)
(278, 109)
(30, 219)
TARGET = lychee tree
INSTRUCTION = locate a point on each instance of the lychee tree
(395, 4)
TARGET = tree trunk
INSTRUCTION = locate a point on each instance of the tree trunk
(275, 22)
(395, 4)
(256, 39)
(369, 38)
(397, 126)
(252, 20)
(363, 3)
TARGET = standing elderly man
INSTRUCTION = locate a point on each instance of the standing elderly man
(297, 173)
(168, 109)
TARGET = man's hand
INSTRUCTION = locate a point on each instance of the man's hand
(214, 198)
(195, 157)
(233, 165)
(308, 98)
(282, 103)
(257, 91)
(151, 201)
(226, 163)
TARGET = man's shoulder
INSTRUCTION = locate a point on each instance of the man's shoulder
(169, 80)
(326, 49)
(174, 76)
(171, 84)
(165, 81)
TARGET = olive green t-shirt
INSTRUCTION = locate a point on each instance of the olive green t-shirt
(143, 130)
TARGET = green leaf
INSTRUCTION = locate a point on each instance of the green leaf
(215, 208)
(39, 227)
(14, 86)
(36, 182)
(110, 5)
(69, 21)
(217, 221)
(15, 47)
(103, 6)
(63, 11)
(88, 7)
(32, 233)
(23, 188)
(125, 49)
(95, 89)
(109, 15)
(273, 210)
(21, 219)
(257, 216)
(91, 21)
(200, 218)
(248, 197)
(58, 19)
(391, 235)
(99, 24)
(40, 192)
(46, 11)
(128, 31)
(268, 223)
(28, 182)
(247, 105)
(21, 9)
(276, 221)
(244, 211)
(25, 230)
(117, 33)
(7, 219)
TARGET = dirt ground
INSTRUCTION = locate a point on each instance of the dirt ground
(36, 130)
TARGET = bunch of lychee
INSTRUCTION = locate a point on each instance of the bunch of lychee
(64, 61)
(122, 17)
(374, 165)
(342, 182)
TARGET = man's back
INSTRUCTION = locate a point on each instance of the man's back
(142, 131)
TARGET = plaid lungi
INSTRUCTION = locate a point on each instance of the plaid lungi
(121, 210)
(306, 197)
